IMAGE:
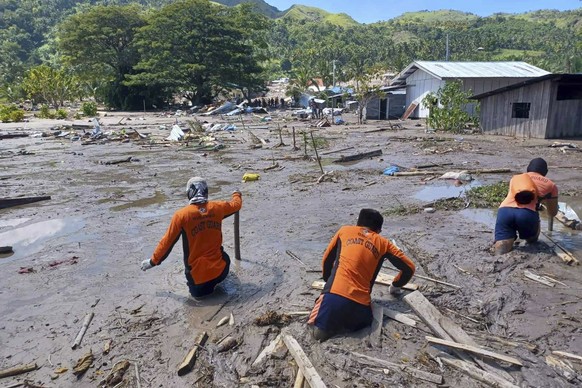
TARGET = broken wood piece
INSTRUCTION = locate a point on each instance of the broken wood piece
(385, 280)
(118, 161)
(430, 165)
(359, 156)
(223, 321)
(299, 380)
(303, 362)
(474, 349)
(139, 134)
(17, 370)
(11, 202)
(376, 327)
(231, 320)
(429, 279)
(462, 315)
(86, 323)
(447, 329)
(566, 256)
(419, 374)
(567, 355)
(537, 278)
(561, 367)
(294, 256)
(137, 378)
(268, 350)
(190, 358)
(504, 341)
(476, 373)
(400, 317)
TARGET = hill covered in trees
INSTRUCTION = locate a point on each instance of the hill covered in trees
(242, 43)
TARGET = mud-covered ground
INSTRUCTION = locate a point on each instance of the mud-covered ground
(103, 220)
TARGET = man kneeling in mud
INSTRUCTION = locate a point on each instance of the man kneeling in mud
(200, 225)
(351, 263)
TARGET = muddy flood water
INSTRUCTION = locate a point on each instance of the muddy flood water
(79, 253)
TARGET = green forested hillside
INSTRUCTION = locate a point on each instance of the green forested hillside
(302, 43)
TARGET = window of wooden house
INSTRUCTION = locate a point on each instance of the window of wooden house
(520, 110)
(569, 92)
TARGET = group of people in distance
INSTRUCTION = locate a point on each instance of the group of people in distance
(354, 255)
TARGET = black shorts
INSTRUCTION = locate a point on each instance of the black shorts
(335, 313)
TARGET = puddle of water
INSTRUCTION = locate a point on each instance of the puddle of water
(433, 193)
(157, 199)
(13, 222)
(30, 238)
(482, 216)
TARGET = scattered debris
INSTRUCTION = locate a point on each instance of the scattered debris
(417, 373)
(227, 344)
(86, 323)
(400, 317)
(72, 260)
(23, 270)
(476, 373)
(474, 349)
(116, 374)
(273, 318)
(249, 177)
(83, 364)
(363, 155)
(273, 346)
(563, 368)
(118, 161)
(303, 362)
(190, 358)
(223, 321)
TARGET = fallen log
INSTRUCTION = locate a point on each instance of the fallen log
(476, 373)
(11, 202)
(86, 323)
(474, 349)
(303, 362)
(13, 135)
(4, 250)
(190, 358)
(355, 157)
(419, 374)
(17, 370)
(118, 161)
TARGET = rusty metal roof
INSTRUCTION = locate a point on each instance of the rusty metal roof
(448, 70)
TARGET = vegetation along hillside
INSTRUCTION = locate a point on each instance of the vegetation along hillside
(195, 48)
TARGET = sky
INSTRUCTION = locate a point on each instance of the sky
(370, 11)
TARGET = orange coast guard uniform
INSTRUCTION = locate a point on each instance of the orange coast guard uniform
(351, 264)
(200, 226)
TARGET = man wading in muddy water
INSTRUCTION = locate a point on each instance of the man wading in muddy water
(200, 225)
(519, 211)
(351, 263)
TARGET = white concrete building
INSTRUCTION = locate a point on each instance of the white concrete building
(423, 77)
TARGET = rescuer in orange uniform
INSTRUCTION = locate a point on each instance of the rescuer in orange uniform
(200, 226)
(518, 213)
(351, 263)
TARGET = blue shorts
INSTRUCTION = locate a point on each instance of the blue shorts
(337, 314)
(199, 290)
(510, 220)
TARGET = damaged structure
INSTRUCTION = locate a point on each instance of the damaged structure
(423, 77)
(547, 107)
(391, 105)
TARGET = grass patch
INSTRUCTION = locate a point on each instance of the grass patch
(483, 197)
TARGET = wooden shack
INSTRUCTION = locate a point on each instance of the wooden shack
(547, 107)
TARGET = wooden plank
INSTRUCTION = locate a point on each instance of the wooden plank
(303, 362)
(422, 277)
(474, 349)
(476, 373)
(11, 202)
(409, 110)
(17, 370)
(537, 278)
(566, 256)
(395, 315)
(447, 329)
(268, 350)
(299, 380)
(419, 374)
(360, 156)
(567, 355)
(190, 358)
(382, 278)
(376, 327)
(84, 327)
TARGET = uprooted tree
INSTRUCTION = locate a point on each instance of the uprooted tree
(447, 108)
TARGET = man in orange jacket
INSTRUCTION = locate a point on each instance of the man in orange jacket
(351, 264)
(200, 226)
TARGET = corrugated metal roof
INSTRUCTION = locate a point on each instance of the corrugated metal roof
(448, 70)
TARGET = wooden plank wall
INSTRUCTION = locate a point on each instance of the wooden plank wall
(565, 117)
(496, 111)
